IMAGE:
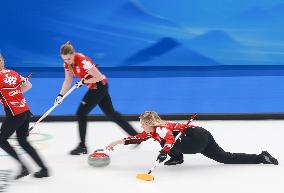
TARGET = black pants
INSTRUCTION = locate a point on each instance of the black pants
(199, 140)
(101, 97)
(20, 125)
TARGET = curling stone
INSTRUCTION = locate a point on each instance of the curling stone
(99, 158)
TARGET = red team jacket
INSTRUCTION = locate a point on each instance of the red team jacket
(11, 94)
(161, 133)
(80, 68)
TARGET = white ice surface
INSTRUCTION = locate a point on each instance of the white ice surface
(72, 174)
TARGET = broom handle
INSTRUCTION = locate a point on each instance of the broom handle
(176, 138)
(55, 105)
(157, 162)
(52, 108)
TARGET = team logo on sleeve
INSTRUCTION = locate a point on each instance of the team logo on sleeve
(87, 64)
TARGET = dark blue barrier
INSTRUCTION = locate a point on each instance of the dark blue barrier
(172, 90)
(164, 71)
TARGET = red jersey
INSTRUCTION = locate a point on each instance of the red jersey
(82, 64)
(161, 133)
(11, 93)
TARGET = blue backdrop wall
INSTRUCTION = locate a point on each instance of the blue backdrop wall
(170, 56)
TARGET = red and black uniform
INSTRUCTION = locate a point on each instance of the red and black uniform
(82, 64)
(17, 115)
(97, 94)
(193, 140)
(165, 135)
(12, 98)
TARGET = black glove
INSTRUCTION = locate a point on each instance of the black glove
(162, 156)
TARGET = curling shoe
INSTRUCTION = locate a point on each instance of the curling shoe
(41, 173)
(80, 149)
(174, 161)
(266, 158)
(24, 172)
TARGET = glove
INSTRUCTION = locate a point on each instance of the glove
(162, 156)
(80, 83)
(58, 99)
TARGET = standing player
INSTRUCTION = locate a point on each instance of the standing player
(78, 65)
(17, 119)
(194, 140)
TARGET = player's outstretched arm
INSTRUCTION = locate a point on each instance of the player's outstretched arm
(113, 144)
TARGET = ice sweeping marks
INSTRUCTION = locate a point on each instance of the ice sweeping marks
(5, 176)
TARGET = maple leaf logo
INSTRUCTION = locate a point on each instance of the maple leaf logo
(87, 64)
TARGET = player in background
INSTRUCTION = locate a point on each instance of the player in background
(12, 87)
(193, 140)
(80, 66)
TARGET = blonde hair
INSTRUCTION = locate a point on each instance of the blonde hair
(2, 60)
(151, 118)
(67, 48)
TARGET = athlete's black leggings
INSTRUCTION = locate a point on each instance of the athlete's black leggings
(101, 97)
(199, 140)
(20, 125)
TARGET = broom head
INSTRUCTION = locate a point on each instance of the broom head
(145, 177)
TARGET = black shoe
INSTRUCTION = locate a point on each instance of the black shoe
(266, 158)
(41, 173)
(24, 172)
(174, 161)
(80, 149)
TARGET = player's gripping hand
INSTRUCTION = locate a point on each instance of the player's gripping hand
(24, 81)
(162, 156)
(58, 99)
(80, 83)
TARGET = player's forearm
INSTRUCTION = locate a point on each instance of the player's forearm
(26, 86)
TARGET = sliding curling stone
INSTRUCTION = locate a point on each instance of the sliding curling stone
(99, 158)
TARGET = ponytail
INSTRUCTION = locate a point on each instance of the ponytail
(67, 48)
